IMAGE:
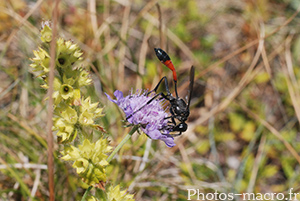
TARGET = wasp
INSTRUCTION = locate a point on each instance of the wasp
(179, 108)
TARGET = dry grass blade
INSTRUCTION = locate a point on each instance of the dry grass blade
(92, 9)
(188, 163)
(272, 130)
(256, 164)
(192, 125)
(184, 48)
(160, 27)
(122, 51)
(25, 166)
(21, 22)
(245, 47)
(291, 79)
(235, 92)
(16, 176)
(144, 11)
(30, 131)
(36, 182)
(266, 63)
(143, 54)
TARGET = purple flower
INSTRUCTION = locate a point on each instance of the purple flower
(151, 118)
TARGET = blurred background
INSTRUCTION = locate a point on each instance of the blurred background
(243, 131)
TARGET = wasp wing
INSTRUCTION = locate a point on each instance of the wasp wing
(192, 75)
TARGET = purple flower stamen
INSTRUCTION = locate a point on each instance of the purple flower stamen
(152, 118)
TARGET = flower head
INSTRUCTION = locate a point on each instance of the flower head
(41, 61)
(64, 123)
(67, 53)
(46, 32)
(151, 117)
(89, 160)
(83, 77)
(89, 112)
(114, 193)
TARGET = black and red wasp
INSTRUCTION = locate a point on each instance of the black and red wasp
(179, 108)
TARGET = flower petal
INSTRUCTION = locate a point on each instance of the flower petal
(118, 94)
(168, 139)
(109, 98)
(154, 134)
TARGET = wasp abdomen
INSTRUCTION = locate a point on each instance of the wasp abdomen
(161, 55)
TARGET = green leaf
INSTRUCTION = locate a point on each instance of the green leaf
(237, 122)
(203, 147)
(262, 78)
(248, 131)
(269, 171)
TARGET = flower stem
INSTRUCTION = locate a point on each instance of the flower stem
(126, 138)
(86, 193)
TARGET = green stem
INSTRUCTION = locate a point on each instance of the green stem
(127, 137)
(86, 193)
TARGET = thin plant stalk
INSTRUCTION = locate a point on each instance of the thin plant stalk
(50, 142)
(86, 193)
(126, 138)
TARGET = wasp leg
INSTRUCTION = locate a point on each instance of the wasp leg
(172, 135)
(166, 85)
(149, 101)
(163, 96)
(177, 134)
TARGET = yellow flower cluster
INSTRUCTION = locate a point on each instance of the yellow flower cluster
(113, 194)
(67, 119)
(89, 160)
(73, 113)
(71, 110)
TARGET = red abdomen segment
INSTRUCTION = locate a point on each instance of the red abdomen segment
(170, 65)
(165, 59)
